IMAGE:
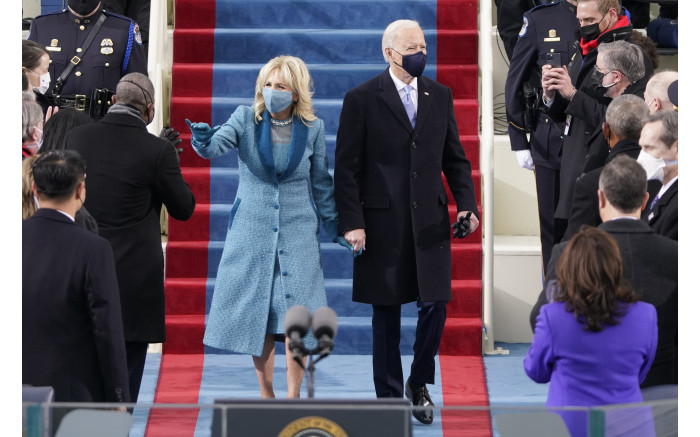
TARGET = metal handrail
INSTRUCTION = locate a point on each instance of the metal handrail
(486, 140)
(156, 51)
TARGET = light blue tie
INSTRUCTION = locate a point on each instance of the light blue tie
(408, 104)
(653, 202)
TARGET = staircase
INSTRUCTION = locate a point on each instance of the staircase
(219, 47)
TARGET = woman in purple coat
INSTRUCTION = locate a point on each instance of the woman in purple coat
(594, 343)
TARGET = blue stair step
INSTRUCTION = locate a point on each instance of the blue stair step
(331, 81)
(314, 46)
(354, 337)
(357, 14)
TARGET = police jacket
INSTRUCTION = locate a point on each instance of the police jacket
(115, 51)
(548, 28)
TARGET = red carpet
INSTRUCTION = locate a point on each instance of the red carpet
(187, 262)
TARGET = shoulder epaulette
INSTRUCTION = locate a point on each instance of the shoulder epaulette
(543, 5)
(113, 14)
(48, 14)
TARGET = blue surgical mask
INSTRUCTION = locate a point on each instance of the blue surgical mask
(276, 101)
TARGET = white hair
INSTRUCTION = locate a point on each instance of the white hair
(392, 30)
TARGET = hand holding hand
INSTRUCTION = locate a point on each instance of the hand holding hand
(356, 238)
(201, 132)
(524, 158)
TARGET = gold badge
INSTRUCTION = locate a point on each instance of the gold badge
(53, 47)
(107, 46)
(54, 43)
(552, 36)
(312, 426)
(552, 33)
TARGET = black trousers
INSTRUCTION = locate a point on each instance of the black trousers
(551, 229)
(386, 356)
(135, 362)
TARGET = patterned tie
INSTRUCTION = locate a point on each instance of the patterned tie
(408, 104)
(653, 202)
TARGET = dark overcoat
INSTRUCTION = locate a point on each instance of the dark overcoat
(72, 337)
(130, 175)
(651, 266)
(388, 181)
(663, 217)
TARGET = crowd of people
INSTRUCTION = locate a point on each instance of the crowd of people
(586, 112)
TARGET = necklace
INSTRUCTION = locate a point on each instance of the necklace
(281, 122)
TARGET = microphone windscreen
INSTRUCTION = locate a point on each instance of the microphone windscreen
(297, 319)
(325, 321)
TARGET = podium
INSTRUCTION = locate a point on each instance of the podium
(312, 418)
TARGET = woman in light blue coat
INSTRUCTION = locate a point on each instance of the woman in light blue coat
(271, 259)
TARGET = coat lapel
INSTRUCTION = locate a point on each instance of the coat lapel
(264, 142)
(300, 135)
(390, 95)
(425, 97)
(663, 201)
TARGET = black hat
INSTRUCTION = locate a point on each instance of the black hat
(673, 93)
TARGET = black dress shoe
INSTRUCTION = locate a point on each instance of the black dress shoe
(420, 398)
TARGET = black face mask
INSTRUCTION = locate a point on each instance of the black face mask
(413, 64)
(83, 7)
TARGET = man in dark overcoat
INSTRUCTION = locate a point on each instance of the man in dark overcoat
(650, 260)
(397, 135)
(132, 174)
(72, 335)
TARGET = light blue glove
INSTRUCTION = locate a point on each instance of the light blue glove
(201, 132)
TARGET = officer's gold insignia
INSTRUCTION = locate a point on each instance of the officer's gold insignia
(107, 46)
(137, 34)
(552, 33)
(53, 47)
(312, 426)
(552, 36)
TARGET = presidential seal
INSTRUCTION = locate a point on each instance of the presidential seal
(312, 426)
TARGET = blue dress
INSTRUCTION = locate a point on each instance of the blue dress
(274, 221)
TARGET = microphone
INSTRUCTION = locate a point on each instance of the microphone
(296, 325)
(324, 328)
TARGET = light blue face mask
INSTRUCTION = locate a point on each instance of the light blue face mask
(276, 101)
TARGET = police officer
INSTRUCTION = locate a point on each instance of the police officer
(84, 70)
(547, 35)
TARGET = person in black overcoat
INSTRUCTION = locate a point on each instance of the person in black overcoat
(131, 175)
(72, 335)
(578, 97)
(624, 120)
(650, 260)
(390, 195)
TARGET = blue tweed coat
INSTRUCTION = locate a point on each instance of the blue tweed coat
(272, 218)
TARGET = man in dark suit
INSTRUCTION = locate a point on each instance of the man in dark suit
(624, 120)
(397, 134)
(72, 335)
(650, 260)
(132, 173)
(659, 142)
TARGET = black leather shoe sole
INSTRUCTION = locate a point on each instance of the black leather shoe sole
(420, 398)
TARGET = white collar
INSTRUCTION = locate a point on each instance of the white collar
(400, 84)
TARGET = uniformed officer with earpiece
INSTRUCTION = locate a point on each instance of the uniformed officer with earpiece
(547, 35)
(86, 64)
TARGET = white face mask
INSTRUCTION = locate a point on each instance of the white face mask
(653, 166)
(44, 82)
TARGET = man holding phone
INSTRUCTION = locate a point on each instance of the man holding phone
(576, 94)
(547, 37)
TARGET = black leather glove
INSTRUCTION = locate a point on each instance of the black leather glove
(461, 226)
(171, 135)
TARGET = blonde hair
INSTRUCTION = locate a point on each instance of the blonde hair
(28, 204)
(296, 75)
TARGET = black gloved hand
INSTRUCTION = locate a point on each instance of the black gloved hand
(171, 135)
(461, 226)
